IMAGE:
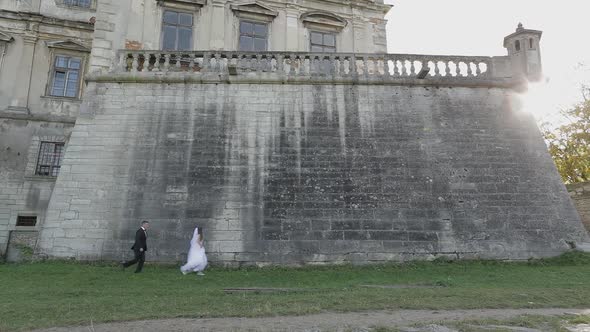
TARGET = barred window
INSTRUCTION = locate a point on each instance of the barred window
(78, 3)
(66, 76)
(50, 156)
(322, 42)
(177, 31)
(253, 36)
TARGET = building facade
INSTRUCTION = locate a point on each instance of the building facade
(279, 127)
(44, 54)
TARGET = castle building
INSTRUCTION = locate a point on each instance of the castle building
(282, 128)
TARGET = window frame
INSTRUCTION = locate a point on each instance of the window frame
(53, 70)
(77, 3)
(63, 4)
(163, 26)
(323, 33)
(255, 22)
(51, 166)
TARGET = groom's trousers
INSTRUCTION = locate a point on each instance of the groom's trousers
(139, 259)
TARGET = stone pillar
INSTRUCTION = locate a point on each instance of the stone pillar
(292, 30)
(21, 88)
(217, 26)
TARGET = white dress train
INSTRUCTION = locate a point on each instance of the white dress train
(196, 260)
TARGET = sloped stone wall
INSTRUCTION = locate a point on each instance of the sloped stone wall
(288, 173)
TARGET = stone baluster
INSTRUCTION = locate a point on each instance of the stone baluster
(291, 60)
(353, 66)
(135, 63)
(156, 66)
(145, 64)
(280, 64)
(477, 67)
(447, 68)
(256, 63)
(332, 65)
(205, 63)
(122, 66)
(396, 71)
(166, 62)
(412, 67)
(458, 68)
(386, 66)
(436, 68)
(304, 65)
(341, 69)
(404, 68)
(469, 70)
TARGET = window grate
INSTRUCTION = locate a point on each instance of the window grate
(28, 221)
(50, 157)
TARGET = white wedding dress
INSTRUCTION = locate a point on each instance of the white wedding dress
(196, 260)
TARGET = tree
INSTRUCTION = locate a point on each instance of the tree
(569, 144)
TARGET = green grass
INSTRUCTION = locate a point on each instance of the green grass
(60, 293)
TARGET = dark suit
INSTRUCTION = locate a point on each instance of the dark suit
(140, 243)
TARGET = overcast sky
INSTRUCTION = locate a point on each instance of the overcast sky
(478, 27)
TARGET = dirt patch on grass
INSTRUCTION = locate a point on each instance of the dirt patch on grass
(354, 321)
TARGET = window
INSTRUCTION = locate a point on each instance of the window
(49, 160)
(78, 3)
(253, 36)
(517, 46)
(531, 43)
(29, 221)
(177, 31)
(66, 76)
(322, 42)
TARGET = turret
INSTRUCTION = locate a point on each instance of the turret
(525, 53)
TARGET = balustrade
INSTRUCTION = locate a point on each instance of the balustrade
(307, 64)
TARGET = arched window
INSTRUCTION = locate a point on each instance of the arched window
(517, 46)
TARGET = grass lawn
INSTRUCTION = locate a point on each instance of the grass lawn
(60, 293)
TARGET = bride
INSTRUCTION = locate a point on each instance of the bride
(197, 260)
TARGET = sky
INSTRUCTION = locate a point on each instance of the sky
(478, 27)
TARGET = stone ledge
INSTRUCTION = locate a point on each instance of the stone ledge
(4, 114)
(273, 78)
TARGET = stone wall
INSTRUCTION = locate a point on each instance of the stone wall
(580, 193)
(300, 173)
(21, 191)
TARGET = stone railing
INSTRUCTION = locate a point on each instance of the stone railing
(298, 64)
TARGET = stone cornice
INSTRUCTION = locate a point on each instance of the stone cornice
(5, 38)
(46, 20)
(255, 8)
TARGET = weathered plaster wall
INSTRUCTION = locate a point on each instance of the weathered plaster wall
(26, 66)
(580, 193)
(307, 173)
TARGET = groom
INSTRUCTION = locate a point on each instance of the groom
(139, 247)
